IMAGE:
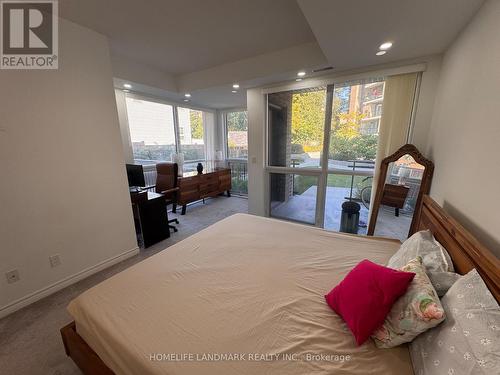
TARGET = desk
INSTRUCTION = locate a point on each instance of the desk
(212, 182)
(150, 216)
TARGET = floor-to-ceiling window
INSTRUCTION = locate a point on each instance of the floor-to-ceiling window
(152, 132)
(236, 130)
(236, 134)
(191, 136)
(159, 130)
(322, 144)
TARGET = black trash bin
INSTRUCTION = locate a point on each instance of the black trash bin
(349, 221)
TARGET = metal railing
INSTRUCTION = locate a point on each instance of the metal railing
(150, 175)
(239, 176)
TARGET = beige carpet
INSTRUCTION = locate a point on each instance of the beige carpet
(30, 342)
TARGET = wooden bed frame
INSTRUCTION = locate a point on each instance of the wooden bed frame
(464, 249)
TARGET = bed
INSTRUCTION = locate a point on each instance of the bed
(246, 296)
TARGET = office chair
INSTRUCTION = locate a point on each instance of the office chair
(166, 184)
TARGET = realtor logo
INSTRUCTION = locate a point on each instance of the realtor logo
(29, 37)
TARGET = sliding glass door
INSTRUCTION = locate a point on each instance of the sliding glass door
(354, 130)
(296, 134)
(322, 145)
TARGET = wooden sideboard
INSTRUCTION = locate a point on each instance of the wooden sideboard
(193, 186)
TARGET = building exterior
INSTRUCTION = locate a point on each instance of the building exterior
(367, 99)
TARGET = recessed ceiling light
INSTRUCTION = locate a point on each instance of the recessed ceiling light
(187, 95)
(381, 53)
(385, 46)
(126, 91)
(236, 86)
(127, 85)
(299, 79)
(186, 100)
(234, 91)
(301, 74)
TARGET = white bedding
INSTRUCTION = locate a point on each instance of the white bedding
(247, 286)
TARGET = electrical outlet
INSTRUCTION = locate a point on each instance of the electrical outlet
(55, 260)
(12, 276)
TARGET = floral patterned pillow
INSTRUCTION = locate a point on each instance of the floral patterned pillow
(468, 342)
(418, 310)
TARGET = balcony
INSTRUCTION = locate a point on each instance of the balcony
(299, 204)
(294, 197)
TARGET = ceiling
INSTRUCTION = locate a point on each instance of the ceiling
(205, 45)
(349, 32)
(216, 97)
(183, 36)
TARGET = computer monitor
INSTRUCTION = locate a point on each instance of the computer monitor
(135, 175)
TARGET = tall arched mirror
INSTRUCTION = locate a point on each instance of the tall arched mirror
(404, 178)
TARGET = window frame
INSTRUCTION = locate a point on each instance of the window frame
(175, 105)
(323, 171)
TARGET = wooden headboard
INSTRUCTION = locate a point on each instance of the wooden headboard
(464, 249)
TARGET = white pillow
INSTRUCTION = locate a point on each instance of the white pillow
(442, 281)
(468, 341)
(422, 244)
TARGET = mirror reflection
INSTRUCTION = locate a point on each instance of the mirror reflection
(399, 198)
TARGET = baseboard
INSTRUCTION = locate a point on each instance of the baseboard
(50, 289)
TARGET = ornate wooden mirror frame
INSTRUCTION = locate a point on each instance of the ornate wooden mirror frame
(425, 185)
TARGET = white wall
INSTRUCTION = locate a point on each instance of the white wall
(64, 188)
(257, 177)
(464, 141)
(425, 105)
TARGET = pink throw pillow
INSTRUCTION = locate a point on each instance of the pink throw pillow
(365, 297)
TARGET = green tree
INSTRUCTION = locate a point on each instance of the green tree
(347, 124)
(358, 147)
(346, 142)
(196, 124)
(237, 121)
(308, 118)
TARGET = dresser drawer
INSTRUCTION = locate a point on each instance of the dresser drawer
(189, 189)
(225, 183)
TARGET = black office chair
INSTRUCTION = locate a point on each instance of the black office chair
(166, 184)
